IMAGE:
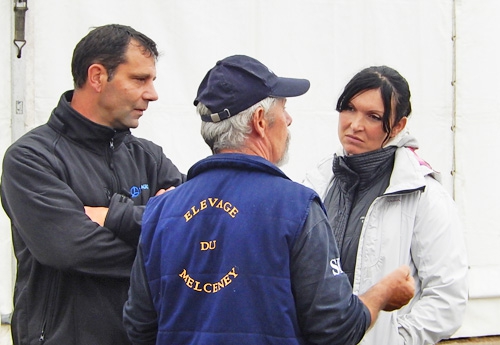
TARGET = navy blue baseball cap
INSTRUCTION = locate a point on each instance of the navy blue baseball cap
(238, 82)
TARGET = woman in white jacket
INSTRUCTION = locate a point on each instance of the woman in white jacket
(386, 209)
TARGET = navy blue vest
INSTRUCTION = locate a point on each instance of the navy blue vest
(217, 253)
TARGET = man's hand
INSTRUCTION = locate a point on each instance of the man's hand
(97, 214)
(402, 285)
(392, 292)
(161, 191)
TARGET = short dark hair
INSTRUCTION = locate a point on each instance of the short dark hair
(106, 45)
(393, 87)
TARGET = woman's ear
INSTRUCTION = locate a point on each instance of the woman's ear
(398, 127)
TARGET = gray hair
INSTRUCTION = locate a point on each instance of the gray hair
(231, 134)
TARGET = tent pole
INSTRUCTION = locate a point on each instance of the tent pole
(454, 102)
(18, 69)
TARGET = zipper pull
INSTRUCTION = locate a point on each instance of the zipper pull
(42, 337)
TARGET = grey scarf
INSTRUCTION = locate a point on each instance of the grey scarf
(358, 180)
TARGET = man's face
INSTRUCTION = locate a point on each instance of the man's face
(278, 134)
(125, 97)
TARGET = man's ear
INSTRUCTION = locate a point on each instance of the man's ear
(259, 122)
(96, 76)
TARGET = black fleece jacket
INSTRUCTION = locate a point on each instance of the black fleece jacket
(72, 274)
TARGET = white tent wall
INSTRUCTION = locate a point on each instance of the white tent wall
(477, 186)
(326, 41)
(6, 257)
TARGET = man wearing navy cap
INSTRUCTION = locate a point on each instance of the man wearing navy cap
(239, 254)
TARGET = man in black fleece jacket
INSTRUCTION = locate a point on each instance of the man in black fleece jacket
(75, 189)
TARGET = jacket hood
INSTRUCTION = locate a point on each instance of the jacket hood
(403, 139)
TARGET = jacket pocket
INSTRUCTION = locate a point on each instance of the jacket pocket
(49, 304)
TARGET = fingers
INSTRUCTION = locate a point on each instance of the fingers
(160, 192)
(402, 284)
(163, 190)
(405, 269)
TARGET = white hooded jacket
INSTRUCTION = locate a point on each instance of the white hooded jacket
(415, 222)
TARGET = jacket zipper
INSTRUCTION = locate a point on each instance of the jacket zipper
(42, 335)
(46, 311)
(115, 179)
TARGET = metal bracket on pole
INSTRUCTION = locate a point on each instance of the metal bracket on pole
(18, 72)
(20, 9)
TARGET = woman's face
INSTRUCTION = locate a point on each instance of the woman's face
(360, 125)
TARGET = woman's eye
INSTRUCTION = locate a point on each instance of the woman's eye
(375, 117)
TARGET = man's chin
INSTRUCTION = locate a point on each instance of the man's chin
(283, 160)
(131, 124)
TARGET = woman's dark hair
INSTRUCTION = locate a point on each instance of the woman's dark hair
(106, 45)
(393, 87)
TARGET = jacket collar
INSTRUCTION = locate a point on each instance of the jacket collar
(235, 161)
(408, 173)
(409, 170)
(73, 125)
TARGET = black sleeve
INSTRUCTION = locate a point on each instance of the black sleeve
(168, 174)
(139, 314)
(125, 219)
(327, 310)
(49, 219)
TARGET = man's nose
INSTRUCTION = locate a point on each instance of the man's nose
(288, 118)
(150, 94)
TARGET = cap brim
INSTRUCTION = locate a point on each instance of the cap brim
(290, 87)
